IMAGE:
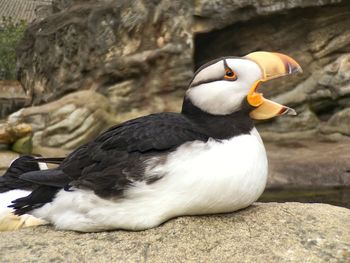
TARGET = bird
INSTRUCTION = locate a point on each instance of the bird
(207, 159)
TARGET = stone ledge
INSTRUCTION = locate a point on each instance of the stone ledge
(308, 164)
(270, 232)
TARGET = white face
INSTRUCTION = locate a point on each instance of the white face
(213, 93)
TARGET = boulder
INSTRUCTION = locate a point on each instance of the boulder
(138, 57)
(68, 122)
(137, 51)
(271, 232)
(9, 133)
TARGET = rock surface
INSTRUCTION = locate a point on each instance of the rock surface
(211, 15)
(139, 56)
(135, 54)
(271, 232)
(128, 51)
(67, 122)
(308, 164)
(10, 133)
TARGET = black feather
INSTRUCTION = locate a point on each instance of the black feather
(39, 197)
(116, 159)
(10, 180)
(51, 177)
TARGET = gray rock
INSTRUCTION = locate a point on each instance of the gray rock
(289, 232)
(308, 164)
(339, 123)
(138, 56)
(211, 15)
(101, 45)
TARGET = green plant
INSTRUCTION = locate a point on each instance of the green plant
(10, 33)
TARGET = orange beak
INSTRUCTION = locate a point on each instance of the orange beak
(273, 65)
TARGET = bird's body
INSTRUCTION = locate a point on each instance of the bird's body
(197, 178)
(207, 159)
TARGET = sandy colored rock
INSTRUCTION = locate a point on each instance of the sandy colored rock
(9, 133)
(67, 122)
(290, 232)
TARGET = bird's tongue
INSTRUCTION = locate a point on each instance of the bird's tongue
(264, 108)
(273, 65)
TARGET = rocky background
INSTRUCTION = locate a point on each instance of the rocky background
(91, 64)
(86, 65)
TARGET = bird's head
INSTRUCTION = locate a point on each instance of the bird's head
(225, 85)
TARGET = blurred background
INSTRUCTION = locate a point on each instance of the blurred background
(71, 68)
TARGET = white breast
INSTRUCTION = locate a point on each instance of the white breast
(212, 177)
(199, 178)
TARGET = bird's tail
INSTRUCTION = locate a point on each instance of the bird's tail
(10, 221)
(12, 187)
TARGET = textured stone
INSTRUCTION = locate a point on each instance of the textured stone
(68, 122)
(211, 15)
(339, 123)
(135, 55)
(139, 56)
(9, 133)
(101, 45)
(289, 232)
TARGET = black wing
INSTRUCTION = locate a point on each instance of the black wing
(115, 159)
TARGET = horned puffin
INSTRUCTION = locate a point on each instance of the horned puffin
(136, 175)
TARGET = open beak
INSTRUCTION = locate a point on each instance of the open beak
(273, 65)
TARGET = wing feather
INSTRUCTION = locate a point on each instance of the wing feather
(116, 159)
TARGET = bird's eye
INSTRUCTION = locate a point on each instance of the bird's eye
(230, 75)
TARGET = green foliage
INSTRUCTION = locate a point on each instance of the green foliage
(10, 33)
